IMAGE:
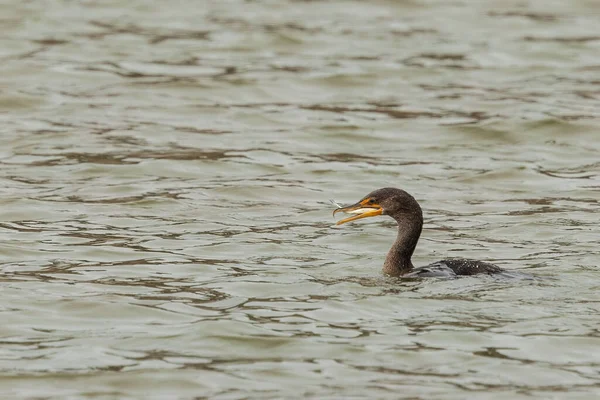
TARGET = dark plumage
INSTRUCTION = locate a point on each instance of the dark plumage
(402, 207)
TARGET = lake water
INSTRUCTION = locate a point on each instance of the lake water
(165, 230)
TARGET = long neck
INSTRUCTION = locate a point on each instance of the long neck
(398, 260)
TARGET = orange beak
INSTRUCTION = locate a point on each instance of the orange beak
(361, 209)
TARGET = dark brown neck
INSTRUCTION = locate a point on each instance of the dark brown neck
(398, 260)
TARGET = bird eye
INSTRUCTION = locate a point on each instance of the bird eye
(371, 201)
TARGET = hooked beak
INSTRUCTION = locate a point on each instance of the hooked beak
(361, 210)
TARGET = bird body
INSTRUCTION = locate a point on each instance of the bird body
(454, 267)
(407, 212)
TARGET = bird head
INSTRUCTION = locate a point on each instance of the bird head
(387, 201)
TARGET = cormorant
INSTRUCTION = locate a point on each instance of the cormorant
(401, 206)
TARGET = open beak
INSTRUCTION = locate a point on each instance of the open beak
(360, 210)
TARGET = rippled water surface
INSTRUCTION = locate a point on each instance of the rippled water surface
(166, 169)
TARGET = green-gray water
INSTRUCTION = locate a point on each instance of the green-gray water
(165, 230)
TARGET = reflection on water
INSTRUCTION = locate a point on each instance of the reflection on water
(165, 225)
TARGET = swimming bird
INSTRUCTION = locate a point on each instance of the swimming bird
(407, 212)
